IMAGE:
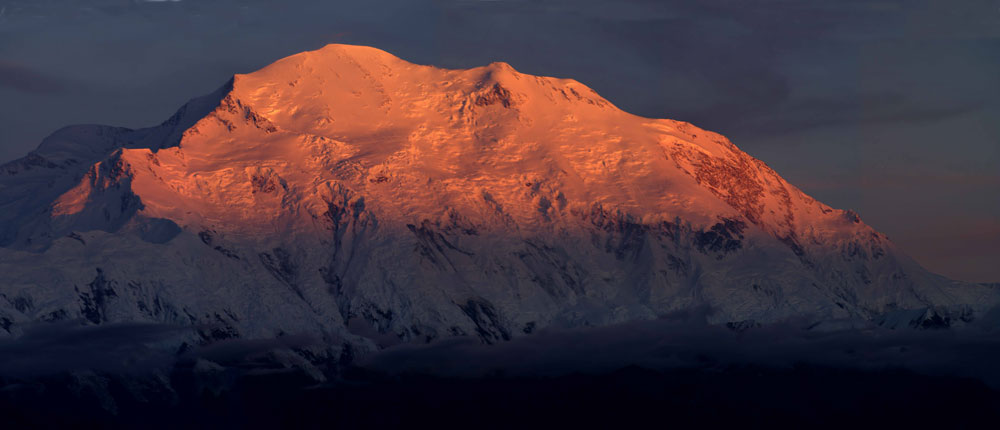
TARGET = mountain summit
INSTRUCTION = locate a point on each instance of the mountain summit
(351, 195)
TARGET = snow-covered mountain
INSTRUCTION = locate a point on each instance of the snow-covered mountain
(367, 201)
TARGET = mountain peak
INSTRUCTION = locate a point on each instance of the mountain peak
(335, 52)
(349, 186)
(339, 88)
(330, 59)
(354, 51)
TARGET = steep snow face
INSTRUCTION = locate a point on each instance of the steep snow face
(347, 192)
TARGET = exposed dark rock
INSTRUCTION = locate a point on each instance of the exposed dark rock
(740, 326)
(489, 326)
(529, 327)
(93, 303)
(496, 94)
(722, 238)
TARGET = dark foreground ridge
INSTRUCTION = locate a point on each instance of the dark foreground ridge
(799, 397)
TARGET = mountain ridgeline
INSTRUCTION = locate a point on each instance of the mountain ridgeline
(364, 201)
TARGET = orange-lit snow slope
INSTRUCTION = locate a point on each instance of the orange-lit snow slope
(421, 142)
(351, 185)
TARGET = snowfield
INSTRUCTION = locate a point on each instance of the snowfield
(365, 201)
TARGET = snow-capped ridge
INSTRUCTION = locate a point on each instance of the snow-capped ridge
(347, 192)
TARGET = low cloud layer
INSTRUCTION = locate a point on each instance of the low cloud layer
(686, 342)
(679, 341)
(50, 348)
(46, 349)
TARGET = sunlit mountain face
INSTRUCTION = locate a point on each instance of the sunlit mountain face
(342, 204)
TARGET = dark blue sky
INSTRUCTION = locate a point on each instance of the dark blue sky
(890, 108)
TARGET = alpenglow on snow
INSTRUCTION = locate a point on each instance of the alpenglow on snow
(369, 201)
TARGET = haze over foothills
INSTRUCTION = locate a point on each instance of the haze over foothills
(887, 108)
